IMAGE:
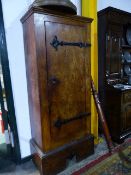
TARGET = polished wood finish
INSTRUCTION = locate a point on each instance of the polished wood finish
(116, 103)
(58, 81)
(57, 160)
(118, 113)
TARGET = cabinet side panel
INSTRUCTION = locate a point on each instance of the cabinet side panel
(32, 79)
(88, 77)
(102, 57)
(42, 78)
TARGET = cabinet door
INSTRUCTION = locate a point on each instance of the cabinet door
(127, 117)
(113, 59)
(68, 68)
(126, 110)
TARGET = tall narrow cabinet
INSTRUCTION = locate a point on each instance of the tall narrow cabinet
(57, 56)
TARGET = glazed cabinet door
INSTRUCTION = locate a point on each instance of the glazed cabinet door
(68, 77)
(113, 54)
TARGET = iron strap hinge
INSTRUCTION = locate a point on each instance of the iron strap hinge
(56, 43)
(59, 122)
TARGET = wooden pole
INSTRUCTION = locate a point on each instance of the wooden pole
(102, 117)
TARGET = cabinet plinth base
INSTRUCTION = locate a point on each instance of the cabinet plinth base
(57, 160)
(121, 137)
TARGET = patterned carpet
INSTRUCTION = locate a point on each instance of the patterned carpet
(116, 163)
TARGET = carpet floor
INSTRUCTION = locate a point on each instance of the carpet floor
(28, 168)
(116, 163)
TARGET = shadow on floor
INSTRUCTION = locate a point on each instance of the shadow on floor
(5, 160)
(8, 167)
(27, 168)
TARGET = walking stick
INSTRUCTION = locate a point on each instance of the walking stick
(101, 117)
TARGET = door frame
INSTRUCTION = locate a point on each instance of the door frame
(8, 89)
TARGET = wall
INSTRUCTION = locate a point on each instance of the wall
(120, 4)
(13, 10)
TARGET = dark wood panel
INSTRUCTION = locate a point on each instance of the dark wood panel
(115, 101)
(128, 117)
(127, 97)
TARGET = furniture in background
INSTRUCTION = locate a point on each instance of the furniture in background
(57, 54)
(114, 28)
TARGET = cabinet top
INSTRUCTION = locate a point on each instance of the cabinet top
(112, 9)
(39, 10)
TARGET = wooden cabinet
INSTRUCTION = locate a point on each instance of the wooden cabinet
(114, 90)
(118, 112)
(57, 53)
(126, 110)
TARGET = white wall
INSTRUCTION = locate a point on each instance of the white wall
(78, 5)
(120, 4)
(13, 10)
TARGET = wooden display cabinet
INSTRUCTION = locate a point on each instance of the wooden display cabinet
(114, 90)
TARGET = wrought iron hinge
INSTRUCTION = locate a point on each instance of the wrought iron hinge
(59, 122)
(56, 43)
